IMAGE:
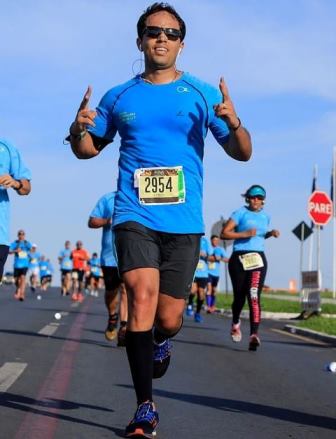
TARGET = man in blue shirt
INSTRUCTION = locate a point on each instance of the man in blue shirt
(162, 117)
(65, 261)
(101, 217)
(200, 280)
(218, 256)
(20, 249)
(15, 175)
(33, 268)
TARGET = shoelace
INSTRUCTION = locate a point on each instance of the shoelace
(161, 352)
(145, 412)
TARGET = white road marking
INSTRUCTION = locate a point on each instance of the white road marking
(49, 329)
(9, 373)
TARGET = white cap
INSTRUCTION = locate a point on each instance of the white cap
(34, 245)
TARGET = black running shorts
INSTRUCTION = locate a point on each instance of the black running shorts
(201, 282)
(174, 255)
(111, 278)
(20, 271)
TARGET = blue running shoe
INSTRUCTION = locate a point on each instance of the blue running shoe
(161, 357)
(189, 311)
(144, 422)
(198, 318)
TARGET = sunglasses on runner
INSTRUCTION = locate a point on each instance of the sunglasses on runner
(258, 197)
(155, 31)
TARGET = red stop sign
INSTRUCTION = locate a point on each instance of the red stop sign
(320, 208)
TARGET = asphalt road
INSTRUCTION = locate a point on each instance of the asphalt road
(60, 378)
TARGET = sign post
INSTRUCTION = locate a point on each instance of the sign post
(302, 231)
(320, 210)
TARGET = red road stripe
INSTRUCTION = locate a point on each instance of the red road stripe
(43, 426)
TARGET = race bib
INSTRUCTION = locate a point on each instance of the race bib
(201, 265)
(67, 264)
(22, 254)
(212, 265)
(158, 186)
(250, 261)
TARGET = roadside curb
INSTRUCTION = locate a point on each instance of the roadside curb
(293, 329)
(330, 339)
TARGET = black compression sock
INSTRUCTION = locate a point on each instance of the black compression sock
(160, 337)
(139, 348)
(191, 299)
(199, 305)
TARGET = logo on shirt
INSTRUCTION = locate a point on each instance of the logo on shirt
(127, 117)
(2, 149)
(181, 89)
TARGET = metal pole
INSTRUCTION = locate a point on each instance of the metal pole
(301, 254)
(318, 255)
(334, 221)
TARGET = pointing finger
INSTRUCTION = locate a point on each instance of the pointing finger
(223, 88)
(86, 98)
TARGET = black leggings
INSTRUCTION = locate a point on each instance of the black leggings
(247, 284)
(3, 257)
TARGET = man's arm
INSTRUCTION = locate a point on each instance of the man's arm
(96, 223)
(239, 145)
(22, 186)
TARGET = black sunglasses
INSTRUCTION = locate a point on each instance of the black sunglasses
(258, 197)
(155, 31)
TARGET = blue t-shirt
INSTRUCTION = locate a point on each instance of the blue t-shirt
(95, 266)
(66, 261)
(202, 266)
(104, 209)
(10, 163)
(21, 258)
(46, 269)
(214, 267)
(161, 126)
(34, 258)
(246, 219)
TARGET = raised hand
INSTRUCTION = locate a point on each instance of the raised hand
(225, 109)
(84, 116)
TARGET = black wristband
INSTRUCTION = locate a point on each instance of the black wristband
(21, 185)
(234, 129)
(78, 136)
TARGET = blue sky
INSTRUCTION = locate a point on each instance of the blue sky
(278, 59)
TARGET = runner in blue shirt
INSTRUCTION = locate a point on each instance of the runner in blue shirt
(33, 269)
(46, 271)
(65, 262)
(95, 270)
(13, 174)
(200, 280)
(249, 227)
(162, 117)
(218, 256)
(101, 217)
(20, 249)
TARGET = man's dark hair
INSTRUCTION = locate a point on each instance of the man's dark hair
(214, 236)
(157, 7)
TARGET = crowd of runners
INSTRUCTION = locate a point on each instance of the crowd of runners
(153, 245)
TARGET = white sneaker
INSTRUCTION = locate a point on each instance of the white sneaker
(236, 334)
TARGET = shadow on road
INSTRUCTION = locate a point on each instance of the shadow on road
(53, 337)
(231, 405)
(27, 404)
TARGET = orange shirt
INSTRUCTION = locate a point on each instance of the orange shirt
(79, 258)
